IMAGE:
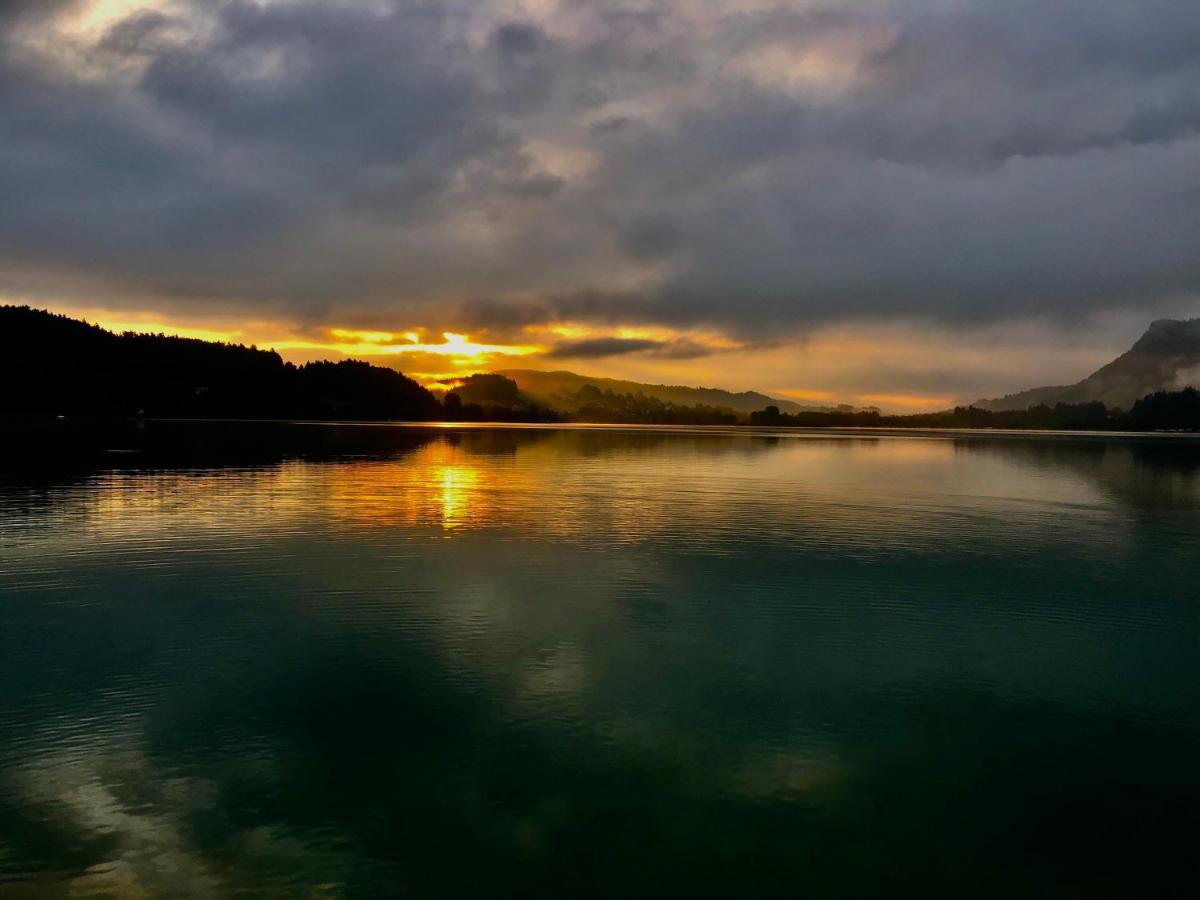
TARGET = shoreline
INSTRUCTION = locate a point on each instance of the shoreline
(774, 431)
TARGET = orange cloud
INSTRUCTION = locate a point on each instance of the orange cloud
(899, 367)
(457, 347)
(806, 396)
(203, 334)
(909, 402)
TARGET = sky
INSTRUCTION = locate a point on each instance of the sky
(903, 203)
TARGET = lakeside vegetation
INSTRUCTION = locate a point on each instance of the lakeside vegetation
(568, 391)
(53, 365)
(1160, 411)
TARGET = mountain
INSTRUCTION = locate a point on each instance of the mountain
(1165, 358)
(561, 391)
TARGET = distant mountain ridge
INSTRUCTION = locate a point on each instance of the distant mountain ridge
(1165, 358)
(560, 390)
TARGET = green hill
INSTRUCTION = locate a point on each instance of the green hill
(561, 391)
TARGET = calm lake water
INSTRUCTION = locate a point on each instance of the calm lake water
(334, 661)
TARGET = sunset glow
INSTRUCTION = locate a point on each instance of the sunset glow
(555, 448)
(834, 365)
(799, 198)
(458, 347)
(183, 331)
(459, 353)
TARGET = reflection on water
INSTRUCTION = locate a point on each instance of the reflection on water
(333, 661)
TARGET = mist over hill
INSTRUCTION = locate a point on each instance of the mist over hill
(562, 391)
(1165, 358)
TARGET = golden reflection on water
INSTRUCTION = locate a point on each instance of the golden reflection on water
(437, 486)
(576, 485)
(458, 483)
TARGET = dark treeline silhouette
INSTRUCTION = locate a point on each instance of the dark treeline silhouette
(487, 397)
(1170, 410)
(1162, 411)
(595, 405)
(55, 365)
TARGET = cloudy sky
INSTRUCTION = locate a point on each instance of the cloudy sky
(905, 202)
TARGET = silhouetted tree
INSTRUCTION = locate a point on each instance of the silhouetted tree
(488, 397)
(1167, 410)
(52, 364)
(489, 389)
(595, 405)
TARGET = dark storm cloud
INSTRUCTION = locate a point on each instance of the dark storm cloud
(600, 347)
(603, 347)
(11, 10)
(461, 163)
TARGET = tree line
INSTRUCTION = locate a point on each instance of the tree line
(595, 405)
(55, 365)
(1160, 411)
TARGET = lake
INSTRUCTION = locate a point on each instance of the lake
(335, 661)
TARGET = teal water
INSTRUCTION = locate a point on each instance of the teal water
(319, 661)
